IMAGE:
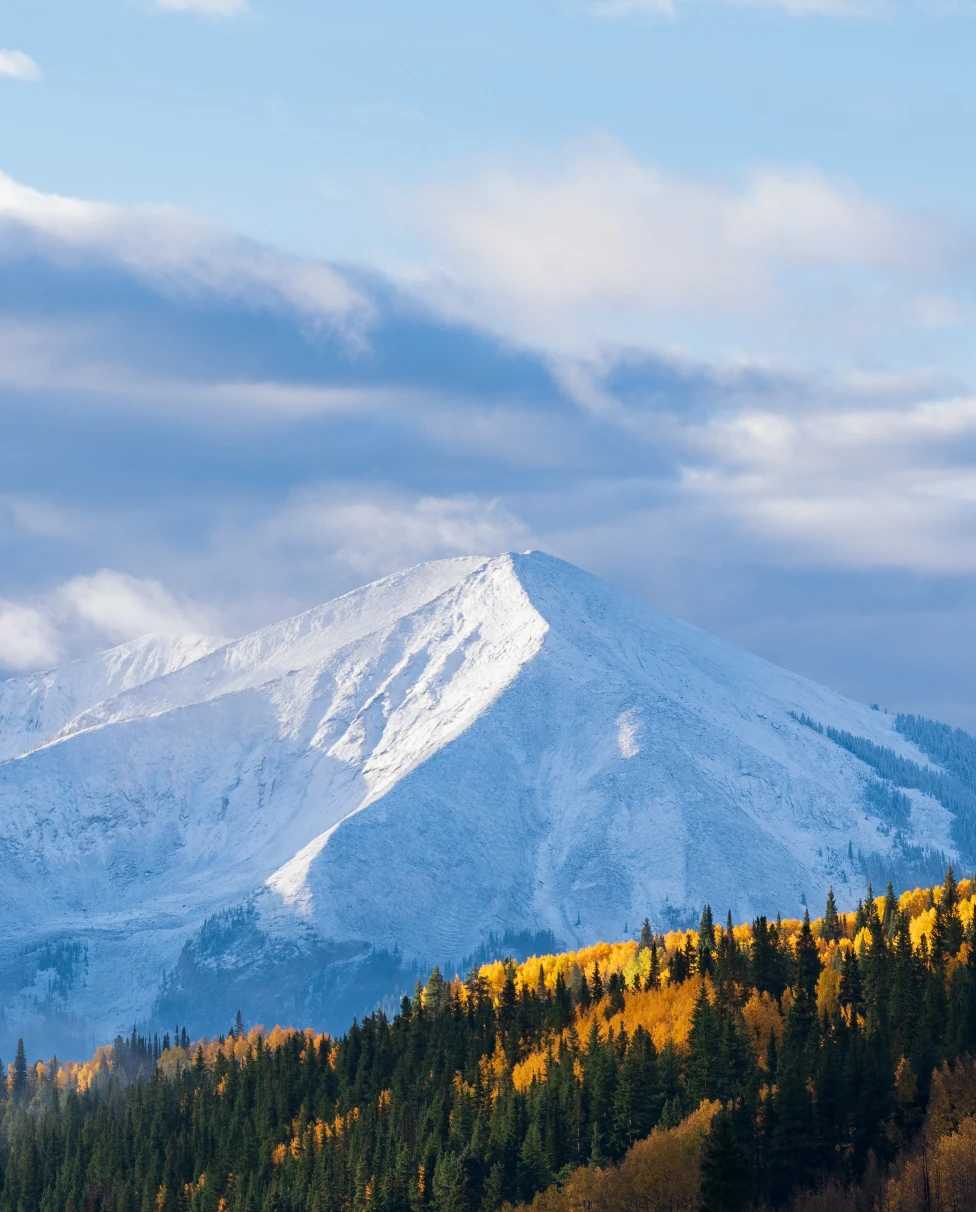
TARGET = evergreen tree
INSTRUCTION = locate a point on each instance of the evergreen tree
(706, 941)
(20, 1073)
(654, 970)
(830, 927)
(890, 910)
(701, 1069)
(726, 1179)
(431, 1109)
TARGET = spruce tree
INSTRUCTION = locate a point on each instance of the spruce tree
(706, 940)
(654, 971)
(20, 1073)
(701, 1074)
(830, 927)
(726, 1179)
(890, 911)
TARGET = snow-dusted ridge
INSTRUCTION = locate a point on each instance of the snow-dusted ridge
(468, 746)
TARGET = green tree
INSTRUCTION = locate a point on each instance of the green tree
(726, 1178)
(20, 1073)
(830, 927)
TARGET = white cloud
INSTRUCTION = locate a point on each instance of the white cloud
(371, 533)
(27, 638)
(122, 607)
(632, 8)
(16, 65)
(210, 8)
(177, 251)
(617, 9)
(87, 613)
(599, 245)
(851, 488)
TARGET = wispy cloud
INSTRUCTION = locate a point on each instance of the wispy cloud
(599, 245)
(28, 640)
(621, 9)
(632, 8)
(97, 610)
(17, 65)
(374, 530)
(850, 487)
(209, 8)
(176, 251)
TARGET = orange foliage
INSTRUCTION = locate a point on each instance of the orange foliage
(762, 1015)
(942, 1179)
(664, 1013)
(85, 1075)
(659, 1174)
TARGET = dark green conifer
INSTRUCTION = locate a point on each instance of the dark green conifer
(654, 971)
(20, 1072)
(701, 1068)
(706, 941)
(830, 927)
(726, 1179)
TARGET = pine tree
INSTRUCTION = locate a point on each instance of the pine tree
(808, 965)
(654, 971)
(830, 927)
(726, 1179)
(20, 1073)
(646, 937)
(701, 1074)
(890, 911)
(706, 940)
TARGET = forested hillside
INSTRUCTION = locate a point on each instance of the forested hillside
(723, 1068)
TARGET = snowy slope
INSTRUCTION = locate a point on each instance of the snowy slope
(470, 746)
(34, 709)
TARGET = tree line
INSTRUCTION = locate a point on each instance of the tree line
(773, 1059)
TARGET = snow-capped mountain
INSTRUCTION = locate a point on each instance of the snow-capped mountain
(289, 821)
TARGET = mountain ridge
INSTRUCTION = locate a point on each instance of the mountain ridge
(468, 747)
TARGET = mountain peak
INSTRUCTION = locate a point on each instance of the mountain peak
(464, 748)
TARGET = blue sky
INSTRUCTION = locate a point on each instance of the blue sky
(294, 294)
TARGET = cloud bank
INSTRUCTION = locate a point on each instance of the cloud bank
(173, 251)
(238, 435)
(599, 244)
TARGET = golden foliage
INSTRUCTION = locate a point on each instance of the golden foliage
(941, 1179)
(828, 991)
(664, 1013)
(611, 957)
(762, 1015)
(952, 1097)
(659, 1174)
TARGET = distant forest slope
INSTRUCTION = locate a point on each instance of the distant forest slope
(823, 1064)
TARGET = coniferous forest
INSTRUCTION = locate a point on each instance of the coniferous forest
(807, 1065)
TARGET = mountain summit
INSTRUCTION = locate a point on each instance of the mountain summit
(291, 820)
